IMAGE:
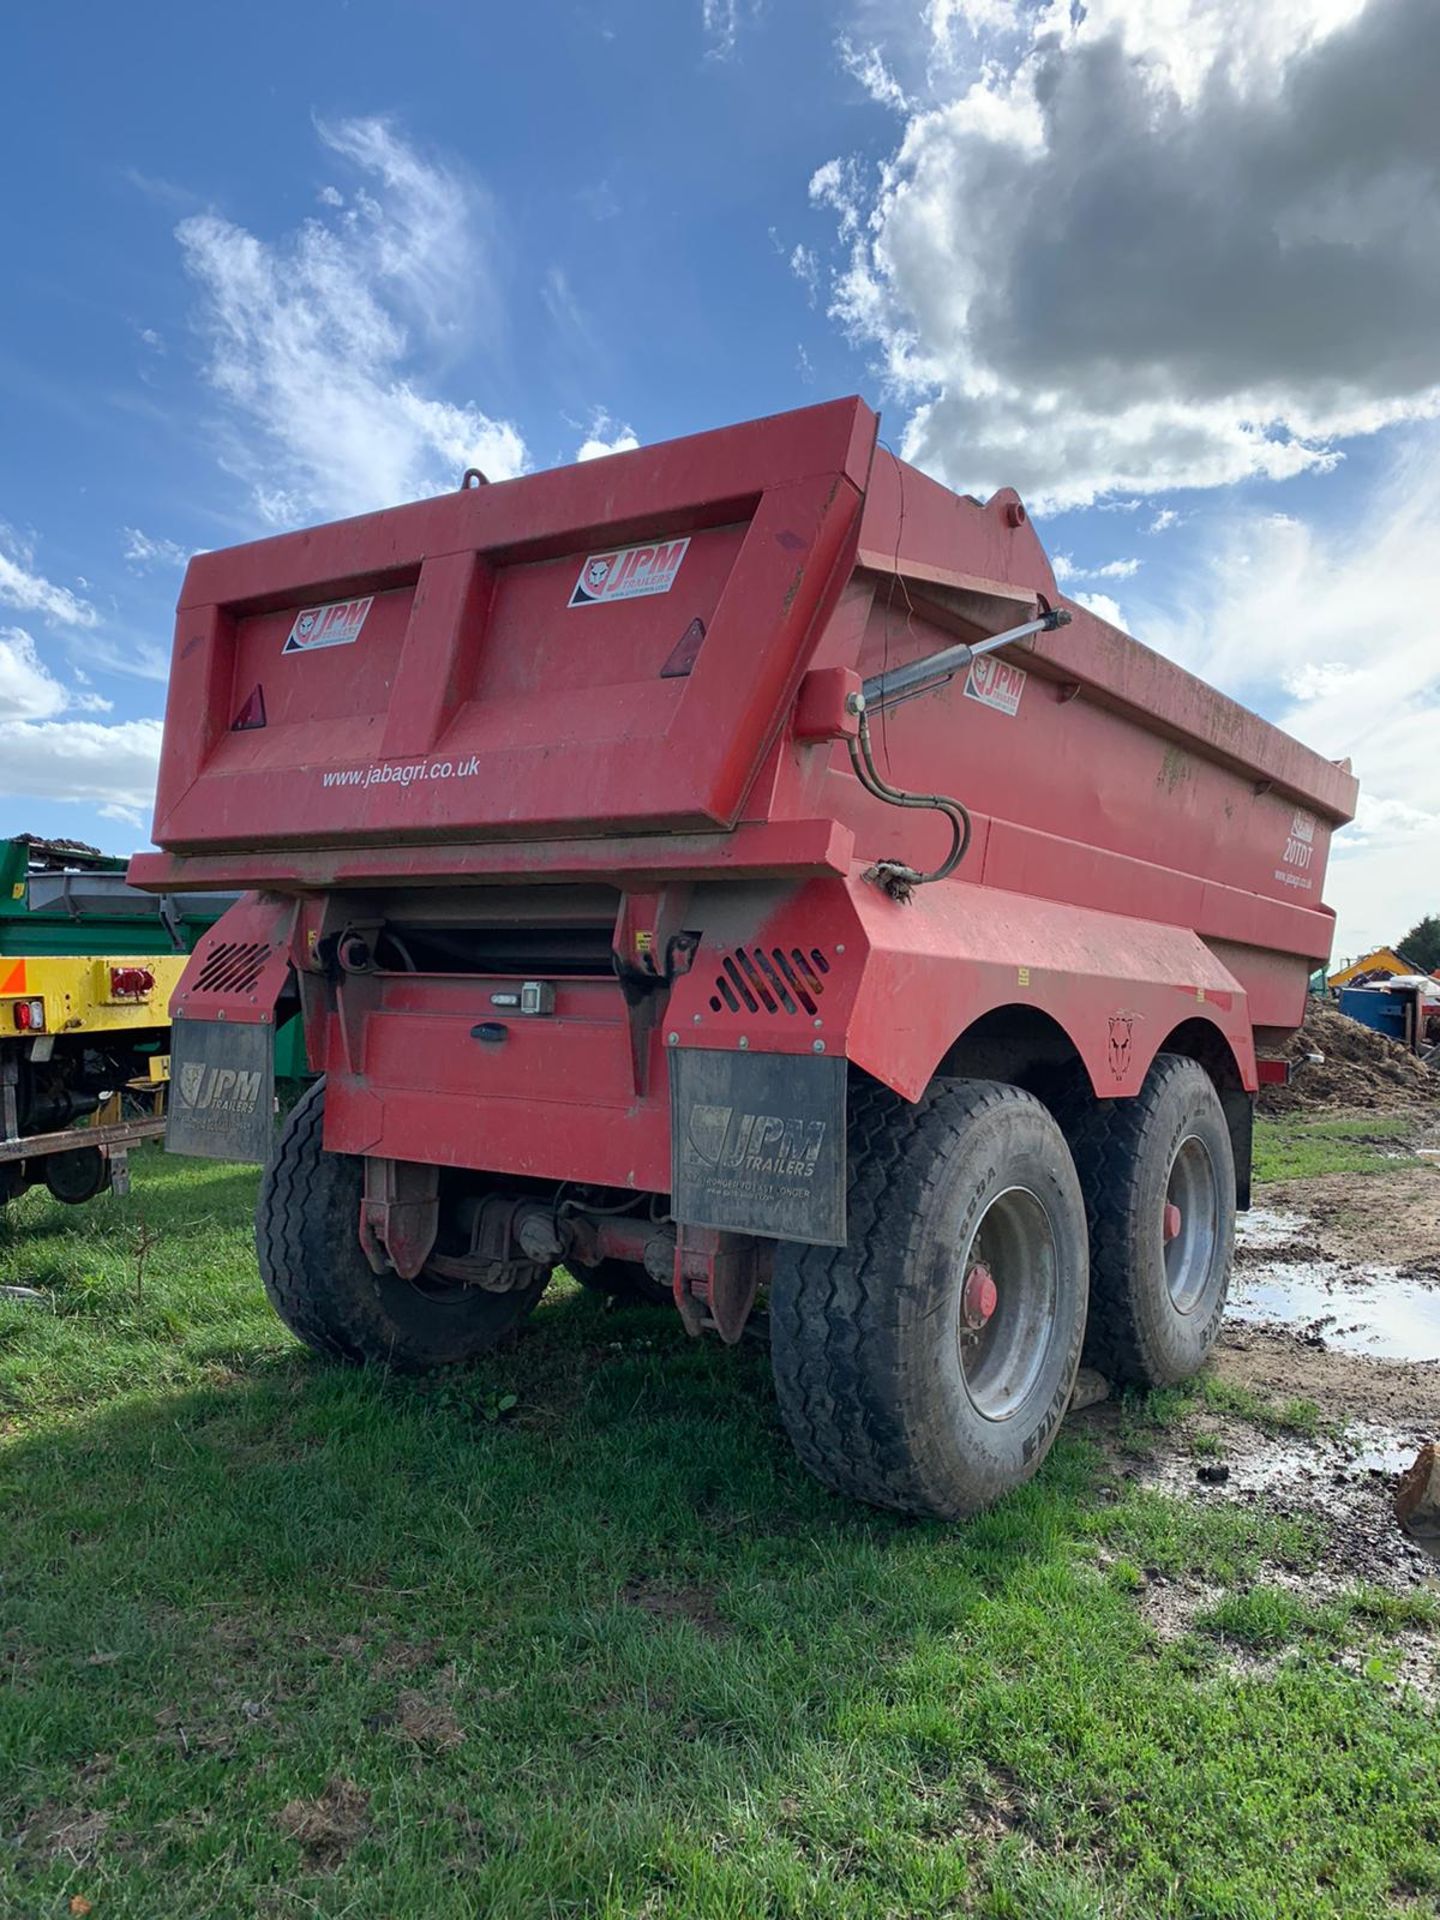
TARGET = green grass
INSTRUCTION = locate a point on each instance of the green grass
(1298, 1148)
(283, 1639)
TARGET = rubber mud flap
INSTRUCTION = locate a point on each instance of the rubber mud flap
(222, 1090)
(757, 1144)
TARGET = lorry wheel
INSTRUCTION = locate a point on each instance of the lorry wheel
(1158, 1174)
(322, 1286)
(624, 1280)
(927, 1365)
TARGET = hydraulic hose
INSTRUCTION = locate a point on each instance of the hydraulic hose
(904, 683)
(894, 876)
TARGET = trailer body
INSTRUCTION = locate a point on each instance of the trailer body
(544, 799)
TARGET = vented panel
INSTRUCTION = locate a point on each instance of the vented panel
(232, 967)
(754, 980)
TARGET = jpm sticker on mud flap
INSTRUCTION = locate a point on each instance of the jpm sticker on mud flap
(222, 1090)
(757, 1144)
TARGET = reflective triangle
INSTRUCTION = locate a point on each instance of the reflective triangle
(252, 714)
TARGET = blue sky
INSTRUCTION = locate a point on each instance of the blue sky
(268, 269)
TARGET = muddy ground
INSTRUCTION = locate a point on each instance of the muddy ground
(1336, 1303)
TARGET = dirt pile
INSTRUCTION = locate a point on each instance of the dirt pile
(1361, 1069)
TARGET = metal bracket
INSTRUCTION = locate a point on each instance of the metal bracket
(650, 952)
(716, 1278)
(399, 1215)
(9, 1097)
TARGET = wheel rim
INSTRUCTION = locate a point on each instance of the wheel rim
(1013, 1249)
(1191, 1223)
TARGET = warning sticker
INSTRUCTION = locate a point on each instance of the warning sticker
(337, 625)
(995, 683)
(628, 573)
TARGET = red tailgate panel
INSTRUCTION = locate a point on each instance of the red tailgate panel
(498, 687)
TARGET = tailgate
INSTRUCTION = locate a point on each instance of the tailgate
(605, 648)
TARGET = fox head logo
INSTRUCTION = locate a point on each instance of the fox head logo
(1122, 1027)
(596, 574)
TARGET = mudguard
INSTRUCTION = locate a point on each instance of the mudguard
(222, 1090)
(758, 1144)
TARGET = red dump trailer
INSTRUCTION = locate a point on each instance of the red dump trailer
(733, 867)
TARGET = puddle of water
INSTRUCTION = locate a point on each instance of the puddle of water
(1366, 1456)
(1264, 1227)
(1379, 1450)
(1353, 1309)
(1363, 1454)
(1385, 1316)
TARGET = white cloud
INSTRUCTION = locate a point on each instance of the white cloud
(1166, 518)
(1146, 244)
(84, 761)
(1335, 632)
(565, 309)
(866, 65)
(721, 20)
(1102, 605)
(1315, 679)
(44, 756)
(606, 436)
(30, 592)
(840, 185)
(28, 688)
(805, 265)
(141, 551)
(1066, 569)
(319, 341)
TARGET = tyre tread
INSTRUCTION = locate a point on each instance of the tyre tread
(837, 1365)
(1104, 1135)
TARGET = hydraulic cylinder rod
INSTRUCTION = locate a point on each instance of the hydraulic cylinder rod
(884, 689)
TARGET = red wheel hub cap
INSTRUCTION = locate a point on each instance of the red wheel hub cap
(1172, 1221)
(980, 1297)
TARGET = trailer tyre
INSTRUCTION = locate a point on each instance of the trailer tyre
(927, 1365)
(322, 1286)
(1158, 1174)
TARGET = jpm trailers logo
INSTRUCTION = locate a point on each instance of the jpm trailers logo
(758, 1144)
(337, 625)
(628, 573)
(224, 1094)
(995, 683)
(763, 1146)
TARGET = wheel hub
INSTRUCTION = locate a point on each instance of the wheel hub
(1005, 1315)
(979, 1298)
(1191, 1224)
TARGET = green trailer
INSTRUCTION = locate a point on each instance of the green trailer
(87, 967)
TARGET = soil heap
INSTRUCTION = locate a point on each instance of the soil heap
(1361, 1069)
